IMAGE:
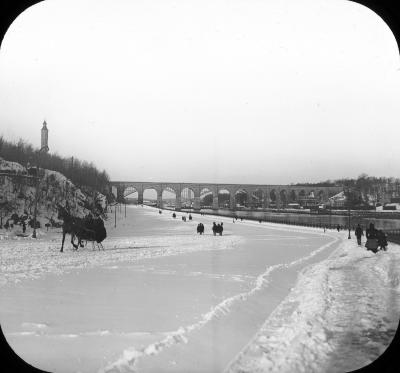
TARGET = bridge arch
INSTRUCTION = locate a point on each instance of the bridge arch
(241, 197)
(320, 197)
(283, 194)
(150, 195)
(293, 196)
(187, 197)
(169, 197)
(273, 196)
(224, 198)
(130, 193)
(258, 197)
(206, 198)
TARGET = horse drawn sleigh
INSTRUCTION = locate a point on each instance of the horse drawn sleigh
(84, 229)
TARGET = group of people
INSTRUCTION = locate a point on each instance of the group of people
(200, 228)
(376, 238)
(217, 228)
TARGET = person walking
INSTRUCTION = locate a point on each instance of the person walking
(359, 232)
(214, 228)
(372, 238)
(382, 241)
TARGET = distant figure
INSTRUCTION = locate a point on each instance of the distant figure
(214, 228)
(359, 232)
(190, 217)
(174, 215)
(371, 232)
(200, 228)
(221, 228)
(23, 227)
(159, 211)
(372, 238)
(184, 218)
(382, 241)
(338, 228)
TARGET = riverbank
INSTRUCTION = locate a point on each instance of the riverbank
(342, 315)
(390, 226)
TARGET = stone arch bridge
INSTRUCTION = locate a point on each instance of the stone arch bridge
(264, 196)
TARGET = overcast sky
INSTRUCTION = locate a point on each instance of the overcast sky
(206, 91)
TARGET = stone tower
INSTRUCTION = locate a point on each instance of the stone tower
(45, 138)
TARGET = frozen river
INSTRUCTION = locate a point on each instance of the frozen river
(159, 298)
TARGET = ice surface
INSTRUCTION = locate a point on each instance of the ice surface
(230, 290)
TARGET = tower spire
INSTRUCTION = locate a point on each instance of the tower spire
(44, 144)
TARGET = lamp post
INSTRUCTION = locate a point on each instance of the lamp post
(348, 191)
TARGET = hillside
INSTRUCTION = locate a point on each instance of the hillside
(17, 195)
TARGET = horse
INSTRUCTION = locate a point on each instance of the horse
(83, 229)
(68, 226)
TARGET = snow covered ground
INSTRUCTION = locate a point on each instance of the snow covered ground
(341, 315)
(262, 297)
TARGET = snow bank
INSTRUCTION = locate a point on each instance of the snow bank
(341, 315)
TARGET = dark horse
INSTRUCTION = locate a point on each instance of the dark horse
(85, 229)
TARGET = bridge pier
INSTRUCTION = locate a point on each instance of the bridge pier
(178, 202)
(215, 205)
(120, 193)
(140, 197)
(249, 199)
(196, 204)
(232, 201)
(266, 199)
(278, 199)
(159, 201)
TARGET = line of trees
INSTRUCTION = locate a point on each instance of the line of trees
(363, 183)
(81, 173)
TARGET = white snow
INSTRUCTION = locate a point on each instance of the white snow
(28, 258)
(341, 315)
(11, 166)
